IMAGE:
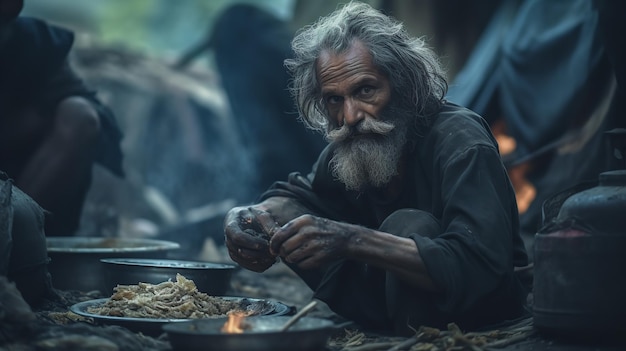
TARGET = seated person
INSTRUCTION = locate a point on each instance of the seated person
(408, 217)
(52, 127)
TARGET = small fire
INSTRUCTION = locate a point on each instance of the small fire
(235, 323)
(525, 191)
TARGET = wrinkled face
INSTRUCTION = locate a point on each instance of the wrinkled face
(352, 87)
(367, 132)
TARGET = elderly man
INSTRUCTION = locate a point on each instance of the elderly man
(408, 217)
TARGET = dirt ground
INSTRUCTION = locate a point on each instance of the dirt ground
(54, 327)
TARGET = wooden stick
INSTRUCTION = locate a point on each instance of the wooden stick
(299, 315)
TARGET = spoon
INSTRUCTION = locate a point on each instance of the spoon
(298, 315)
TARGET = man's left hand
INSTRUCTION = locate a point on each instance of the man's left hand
(309, 241)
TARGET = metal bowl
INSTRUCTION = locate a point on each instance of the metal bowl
(210, 278)
(307, 334)
(75, 261)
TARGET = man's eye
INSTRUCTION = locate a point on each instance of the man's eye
(331, 100)
(367, 91)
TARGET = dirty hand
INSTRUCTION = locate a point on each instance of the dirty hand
(247, 232)
(310, 241)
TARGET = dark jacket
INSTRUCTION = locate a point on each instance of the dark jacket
(456, 174)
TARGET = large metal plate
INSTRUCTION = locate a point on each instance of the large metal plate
(152, 326)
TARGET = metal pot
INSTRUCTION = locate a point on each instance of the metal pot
(307, 334)
(209, 277)
(599, 209)
(75, 261)
(578, 286)
(579, 257)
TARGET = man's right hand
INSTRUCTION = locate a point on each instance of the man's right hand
(247, 231)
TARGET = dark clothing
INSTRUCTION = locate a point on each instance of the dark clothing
(456, 174)
(34, 72)
(23, 255)
(35, 76)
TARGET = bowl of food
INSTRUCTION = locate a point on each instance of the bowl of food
(146, 307)
(75, 261)
(210, 277)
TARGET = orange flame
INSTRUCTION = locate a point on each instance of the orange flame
(525, 191)
(235, 323)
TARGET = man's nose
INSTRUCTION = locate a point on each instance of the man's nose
(352, 114)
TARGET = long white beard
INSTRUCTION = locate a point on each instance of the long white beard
(371, 158)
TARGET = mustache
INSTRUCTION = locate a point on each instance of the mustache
(367, 126)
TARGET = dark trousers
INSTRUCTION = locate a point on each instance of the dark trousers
(371, 297)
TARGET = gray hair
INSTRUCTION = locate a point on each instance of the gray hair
(415, 74)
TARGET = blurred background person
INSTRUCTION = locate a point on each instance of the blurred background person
(52, 126)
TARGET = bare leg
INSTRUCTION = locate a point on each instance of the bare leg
(58, 174)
